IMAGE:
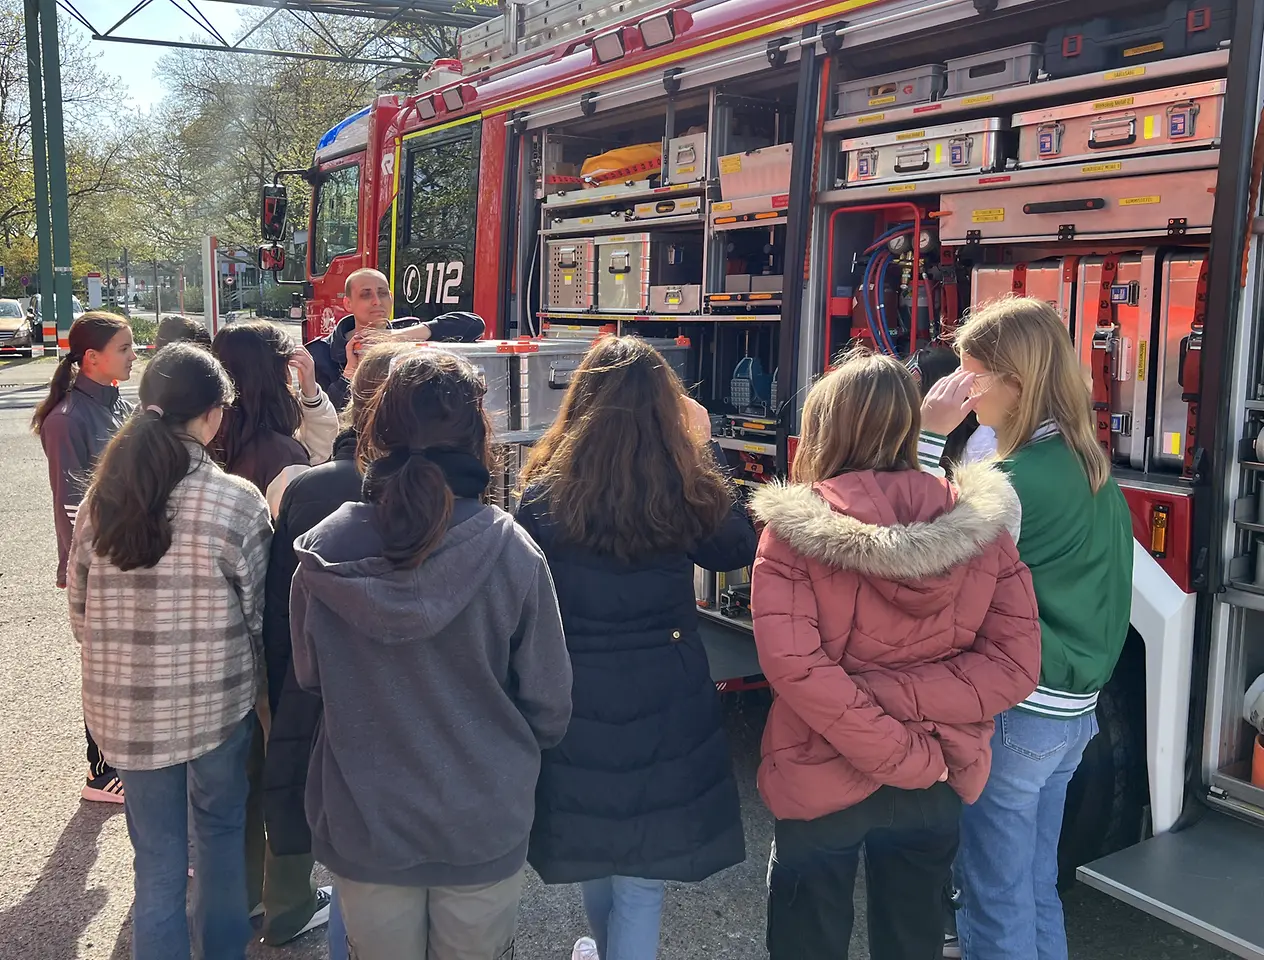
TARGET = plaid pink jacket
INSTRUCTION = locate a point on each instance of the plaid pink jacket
(172, 655)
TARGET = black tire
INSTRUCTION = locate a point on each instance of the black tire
(1107, 797)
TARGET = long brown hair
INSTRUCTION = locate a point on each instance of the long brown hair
(432, 401)
(620, 470)
(1024, 341)
(864, 415)
(92, 331)
(256, 355)
(373, 369)
(141, 466)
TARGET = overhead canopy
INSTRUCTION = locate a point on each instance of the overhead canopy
(388, 33)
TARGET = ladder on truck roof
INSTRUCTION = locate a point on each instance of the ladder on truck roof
(528, 25)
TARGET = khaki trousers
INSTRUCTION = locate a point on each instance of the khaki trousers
(431, 923)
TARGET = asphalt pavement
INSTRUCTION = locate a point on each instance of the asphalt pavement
(66, 865)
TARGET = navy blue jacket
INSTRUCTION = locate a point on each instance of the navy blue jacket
(642, 784)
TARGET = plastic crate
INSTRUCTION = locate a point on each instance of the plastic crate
(994, 69)
(1177, 29)
(913, 85)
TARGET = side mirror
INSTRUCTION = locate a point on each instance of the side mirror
(272, 216)
(271, 258)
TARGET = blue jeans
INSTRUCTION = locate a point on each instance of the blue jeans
(1008, 862)
(212, 789)
(337, 930)
(624, 914)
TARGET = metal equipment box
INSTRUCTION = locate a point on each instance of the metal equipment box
(685, 160)
(1178, 297)
(676, 298)
(1129, 336)
(628, 265)
(568, 275)
(1152, 121)
(1050, 280)
(971, 146)
(1171, 204)
(667, 207)
(911, 85)
(1174, 29)
(757, 173)
(994, 69)
(494, 360)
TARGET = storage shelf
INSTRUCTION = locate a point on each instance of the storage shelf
(747, 224)
(750, 446)
(622, 193)
(744, 623)
(1065, 88)
(1249, 525)
(1251, 465)
(1025, 177)
(1254, 405)
(611, 225)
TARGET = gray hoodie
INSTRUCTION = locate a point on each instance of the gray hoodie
(441, 685)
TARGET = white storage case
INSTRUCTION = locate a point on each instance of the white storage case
(972, 146)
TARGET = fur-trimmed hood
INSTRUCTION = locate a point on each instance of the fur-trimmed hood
(854, 521)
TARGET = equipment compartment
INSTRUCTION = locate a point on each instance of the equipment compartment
(912, 85)
(1173, 30)
(994, 69)
(1050, 280)
(628, 265)
(755, 174)
(1178, 304)
(1174, 118)
(685, 160)
(1171, 204)
(968, 147)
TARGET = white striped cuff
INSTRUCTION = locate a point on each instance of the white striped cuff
(1058, 703)
(930, 450)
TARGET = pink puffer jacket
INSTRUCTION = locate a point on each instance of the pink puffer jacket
(894, 620)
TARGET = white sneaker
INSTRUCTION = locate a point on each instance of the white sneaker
(952, 946)
(585, 949)
(324, 896)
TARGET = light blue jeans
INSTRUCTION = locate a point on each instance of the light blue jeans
(623, 915)
(1008, 862)
(210, 791)
(337, 930)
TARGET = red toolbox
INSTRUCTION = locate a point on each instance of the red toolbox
(1173, 29)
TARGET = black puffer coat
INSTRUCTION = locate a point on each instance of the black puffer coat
(642, 784)
(309, 499)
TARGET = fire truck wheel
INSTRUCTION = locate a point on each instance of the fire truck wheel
(1106, 800)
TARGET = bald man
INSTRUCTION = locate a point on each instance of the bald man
(369, 297)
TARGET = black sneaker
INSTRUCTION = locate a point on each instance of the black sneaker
(107, 788)
(320, 917)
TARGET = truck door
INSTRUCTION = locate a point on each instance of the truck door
(334, 244)
(432, 262)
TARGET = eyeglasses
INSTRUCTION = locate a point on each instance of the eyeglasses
(982, 383)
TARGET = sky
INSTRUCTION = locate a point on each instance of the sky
(160, 20)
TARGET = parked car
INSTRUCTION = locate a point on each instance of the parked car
(35, 315)
(15, 328)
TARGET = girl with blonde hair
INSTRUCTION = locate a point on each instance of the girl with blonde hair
(1020, 375)
(893, 620)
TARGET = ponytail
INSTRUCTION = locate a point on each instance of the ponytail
(58, 387)
(92, 331)
(427, 426)
(131, 488)
(413, 504)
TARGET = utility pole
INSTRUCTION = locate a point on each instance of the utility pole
(182, 288)
(157, 294)
(60, 203)
(44, 233)
(127, 287)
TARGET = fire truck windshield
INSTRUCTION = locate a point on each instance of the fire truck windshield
(334, 229)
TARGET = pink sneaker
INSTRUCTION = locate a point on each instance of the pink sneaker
(585, 949)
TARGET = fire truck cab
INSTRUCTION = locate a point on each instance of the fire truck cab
(757, 184)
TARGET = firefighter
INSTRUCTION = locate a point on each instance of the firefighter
(368, 293)
(82, 411)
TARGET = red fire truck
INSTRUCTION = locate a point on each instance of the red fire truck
(761, 182)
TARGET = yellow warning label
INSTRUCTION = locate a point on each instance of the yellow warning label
(990, 215)
(754, 447)
(1093, 168)
(618, 278)
(1139, 201)
(1172, 443)
(911, 135)
(568, 278)
(1116, 104)
(881, 101)
(1124, 74)
(1146, 48)
(939, 153)
(1147, 127)
(731, 164)
(1141, 360)
(977, 99)
(587, 219)
(902, 188)
(871, 118)
(721, 207)
(689, 169)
